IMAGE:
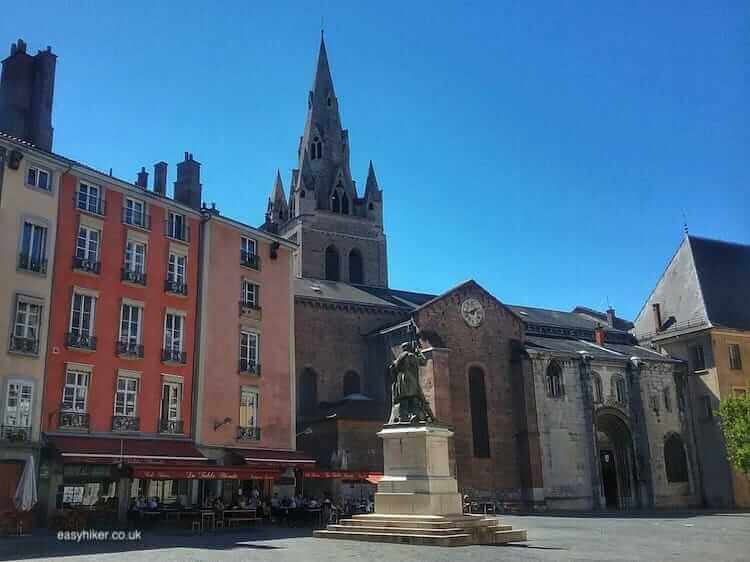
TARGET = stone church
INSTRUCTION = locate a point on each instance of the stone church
(551, 409)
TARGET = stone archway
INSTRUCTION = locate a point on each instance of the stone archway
(616, 459)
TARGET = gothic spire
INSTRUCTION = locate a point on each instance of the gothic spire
(277, 195)
(323, 83)
(372, 191)
(278, 209)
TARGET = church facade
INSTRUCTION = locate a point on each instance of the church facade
(551, 409)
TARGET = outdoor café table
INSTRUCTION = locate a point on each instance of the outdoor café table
(239, 514)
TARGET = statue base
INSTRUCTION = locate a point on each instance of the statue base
(417, 501)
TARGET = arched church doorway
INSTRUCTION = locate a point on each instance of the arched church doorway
(616, 460)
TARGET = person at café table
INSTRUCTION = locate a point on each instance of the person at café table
(218, 505)
(153, 504)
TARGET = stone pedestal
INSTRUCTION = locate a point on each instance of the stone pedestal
(417, 479)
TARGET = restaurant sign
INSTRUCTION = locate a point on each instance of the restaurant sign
(218, 473)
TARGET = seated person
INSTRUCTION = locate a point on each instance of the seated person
(219, 505)
(153, 503)
(275, 502)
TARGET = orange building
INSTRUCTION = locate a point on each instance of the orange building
(122, 331)
(245, 408)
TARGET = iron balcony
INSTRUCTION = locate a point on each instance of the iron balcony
(73, 420)
(30, 263)
(80, 341)
(248, 433)
(130, 276)
(89, 266)
(126, 423)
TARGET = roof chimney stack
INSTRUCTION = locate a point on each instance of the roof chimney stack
(188, 188)
(160, 178)
(142, 180)
(611, 317)
(600, 334)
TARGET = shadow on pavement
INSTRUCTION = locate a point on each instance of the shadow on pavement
(645, 514)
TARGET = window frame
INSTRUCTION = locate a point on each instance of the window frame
(620, 389)
(173, 266)
(91, 313)
(75, 387)
(131, 339)
(84, 195)
(38, 231)
(87, 243)
(178, 387)
(255, 301)
(172, 231)
(173, 329)
(251, 336)
(127, 393)
(131, 255)
(38, 171)
(735, 359)
(697, 357)
(130, 212)
(255, 393)
(18, 407)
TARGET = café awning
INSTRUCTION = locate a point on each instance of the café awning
(105, 450)
(371, 477)
(274, 458)
(159, 472)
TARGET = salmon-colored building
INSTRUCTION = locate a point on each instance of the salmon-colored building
(245, 408)
(122, 331)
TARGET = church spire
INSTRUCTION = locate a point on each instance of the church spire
(278, 209)
(323, 83)
(372, 191)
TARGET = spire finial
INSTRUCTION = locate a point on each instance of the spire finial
(684, 222)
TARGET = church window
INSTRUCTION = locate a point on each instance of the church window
(597, 388)
(336, 202)
(478, 400)
(356, 274)
(308, 392)
(621, 393)
(316, 149)
(674, 459)
(344, 204)
(351, 384)
(554, 380)
(332, 264)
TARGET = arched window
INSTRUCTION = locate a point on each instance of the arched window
(478, 401)
(356, 274)
(674, 459)
(598, 394)
(336, 202)
(332, 264)
(316, 149)
(554, 380)
(344, 204)
(621, 393)
(351, 383)
(308, 393)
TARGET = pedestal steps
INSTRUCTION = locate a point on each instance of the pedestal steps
(462, 539)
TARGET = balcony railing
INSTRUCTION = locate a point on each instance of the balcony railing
(126, 423)
(129, 349)
(170, 426)
(130, 276)
(80, 341)
(73, 420)
(249, 259)
(176, 287)
(89, 204)
(135, 218)
(15, 433)
(178, 232)
(248, 433)
(30, 263)
(249, 367)
(24, 345)
(173, 356)
(248, 307)
(89, 266)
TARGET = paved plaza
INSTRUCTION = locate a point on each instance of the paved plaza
(712, 537)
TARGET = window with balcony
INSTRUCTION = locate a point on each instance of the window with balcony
(81, 334)
(25, 337)
(33, 254)
(89, 198)
(125, 417)
(249, 352)
(74, 408)
(249, 253)
(177, 227)
(171, 396)
(134, 270)
(38, 177)
(248, 428)
(173, 338)
(134, 213)
(176, 268)
(87, 250)
(17, 420)
(250, 296)
(129, 342)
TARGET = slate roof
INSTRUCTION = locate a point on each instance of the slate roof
(723, 270)
(607, 351)
(338, 291)
(560, 318)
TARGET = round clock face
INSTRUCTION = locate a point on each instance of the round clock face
(472, 312)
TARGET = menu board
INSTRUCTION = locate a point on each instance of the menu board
(72, 494)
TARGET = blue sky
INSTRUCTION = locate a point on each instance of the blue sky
(546, 149)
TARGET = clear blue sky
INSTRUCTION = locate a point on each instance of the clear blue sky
(546, 149)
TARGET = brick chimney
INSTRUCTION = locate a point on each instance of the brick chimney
(27, 87)
(160, 178)
(188, 188)
(142, 180)
(599, 334)
(611, 317)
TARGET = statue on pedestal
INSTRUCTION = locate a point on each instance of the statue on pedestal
(409, 402)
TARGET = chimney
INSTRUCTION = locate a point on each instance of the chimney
(160, 178)
(656, 307)
(27, 86)
(599, 333)
(611, 317)
(142, 180)
(188, 188)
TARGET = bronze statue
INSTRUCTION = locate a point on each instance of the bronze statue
(409, 402)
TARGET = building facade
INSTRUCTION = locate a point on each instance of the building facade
(698, 312)
(29, 190)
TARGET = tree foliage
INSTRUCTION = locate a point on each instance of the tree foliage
(735, 425)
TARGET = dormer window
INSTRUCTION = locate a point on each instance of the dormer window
(316, 149)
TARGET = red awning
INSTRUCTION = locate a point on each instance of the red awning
(179, 472)
(372, 477)
(274, 458)
(105, 450)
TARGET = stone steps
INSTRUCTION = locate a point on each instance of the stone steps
(510, 535)
(458, 539)
(437, 526)
(401, 530)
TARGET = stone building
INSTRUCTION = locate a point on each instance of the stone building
(550, 409)
(698, 311)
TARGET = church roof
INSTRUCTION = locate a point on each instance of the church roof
(338, 291)
(605, 352)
